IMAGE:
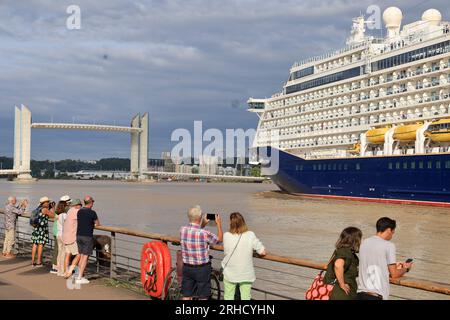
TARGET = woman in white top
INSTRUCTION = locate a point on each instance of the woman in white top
(239, 245)
(61, 250)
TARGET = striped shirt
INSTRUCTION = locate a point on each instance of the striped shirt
(195, 243)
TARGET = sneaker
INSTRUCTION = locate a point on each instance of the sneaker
(82, 281)
(53, 271)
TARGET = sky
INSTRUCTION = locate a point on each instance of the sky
(178, 60)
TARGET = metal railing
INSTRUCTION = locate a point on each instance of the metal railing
(278, 276)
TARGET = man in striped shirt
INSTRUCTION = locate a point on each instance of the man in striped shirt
(195, 242)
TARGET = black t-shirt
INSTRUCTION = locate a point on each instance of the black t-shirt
(86, 222)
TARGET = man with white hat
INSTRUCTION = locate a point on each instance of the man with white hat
(11, 213)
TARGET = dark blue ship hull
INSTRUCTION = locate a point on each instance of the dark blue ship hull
(406, 177)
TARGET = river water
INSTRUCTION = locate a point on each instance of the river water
(287, 225)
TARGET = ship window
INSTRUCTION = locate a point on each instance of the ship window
(390, 166)
(340, 166)
(438, 164)
(420, 164)
(405, 165)
(335, 166)
(397, 165)
(314, 167)
(430, 165)
(319, 167)
(346, 167)
(329, 167)
(413, 165)
(447, 164)
(358, 166)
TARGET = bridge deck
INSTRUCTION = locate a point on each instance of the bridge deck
(18, 280)
(92, 127)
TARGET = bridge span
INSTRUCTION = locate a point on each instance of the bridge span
(89, 127)
(138, 131)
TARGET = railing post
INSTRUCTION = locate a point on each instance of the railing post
(112, 271)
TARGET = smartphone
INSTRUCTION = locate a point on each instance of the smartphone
(211, 216)
(409, 260)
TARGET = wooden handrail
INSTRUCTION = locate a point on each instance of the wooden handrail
(420, 284)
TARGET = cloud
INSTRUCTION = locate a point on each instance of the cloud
(178, 60)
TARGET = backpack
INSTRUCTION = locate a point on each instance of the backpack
(34, 217)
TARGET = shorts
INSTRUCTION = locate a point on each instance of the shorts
(85, 245)
(71, 248)
(196, 281)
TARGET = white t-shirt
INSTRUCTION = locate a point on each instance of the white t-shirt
(239, 266)
(60, 223)
(375, 254)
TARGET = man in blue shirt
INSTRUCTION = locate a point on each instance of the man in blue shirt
(87, 221)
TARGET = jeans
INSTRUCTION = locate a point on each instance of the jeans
(230, 289)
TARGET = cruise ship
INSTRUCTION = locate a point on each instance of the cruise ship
(370, 121)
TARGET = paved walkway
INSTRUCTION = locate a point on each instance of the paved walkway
(18, 280)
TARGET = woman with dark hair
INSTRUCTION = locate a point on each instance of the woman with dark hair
(239, 244)
(343, 267)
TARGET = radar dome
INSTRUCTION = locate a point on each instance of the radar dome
(392, 17)
(433, 16)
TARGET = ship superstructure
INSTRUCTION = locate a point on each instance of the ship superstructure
(330, 103)
(376, 97)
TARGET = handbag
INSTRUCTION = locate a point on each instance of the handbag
(319, 290)
(223, 268)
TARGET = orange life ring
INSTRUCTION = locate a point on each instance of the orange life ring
(156, 263)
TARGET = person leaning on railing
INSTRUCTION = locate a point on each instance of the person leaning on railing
(343, 266)
(12, 210)
(239, 244)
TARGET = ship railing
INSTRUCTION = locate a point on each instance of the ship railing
(279, 277)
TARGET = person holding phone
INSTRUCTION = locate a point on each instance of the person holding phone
(377, 262)
(195, 242)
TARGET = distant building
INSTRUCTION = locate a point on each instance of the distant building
(208, 164)
(91, 174)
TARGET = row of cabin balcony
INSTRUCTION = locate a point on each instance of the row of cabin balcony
(331, 141)
(376, 110)
(373, 94)
(373, 107)
(323, 128)
(360, 85)
(342, 61)
(336, 53)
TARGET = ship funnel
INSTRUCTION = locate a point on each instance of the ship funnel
(432, 16)
(392, 17)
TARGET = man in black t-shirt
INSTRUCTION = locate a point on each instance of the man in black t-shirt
(87, 221)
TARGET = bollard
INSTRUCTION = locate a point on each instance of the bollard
(112, 269)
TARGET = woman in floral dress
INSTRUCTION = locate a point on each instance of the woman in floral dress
(39, 237)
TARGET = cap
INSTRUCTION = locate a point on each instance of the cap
(75, 202)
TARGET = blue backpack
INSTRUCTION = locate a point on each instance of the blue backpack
(34, 217)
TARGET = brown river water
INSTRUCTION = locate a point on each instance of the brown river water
(287, 225)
